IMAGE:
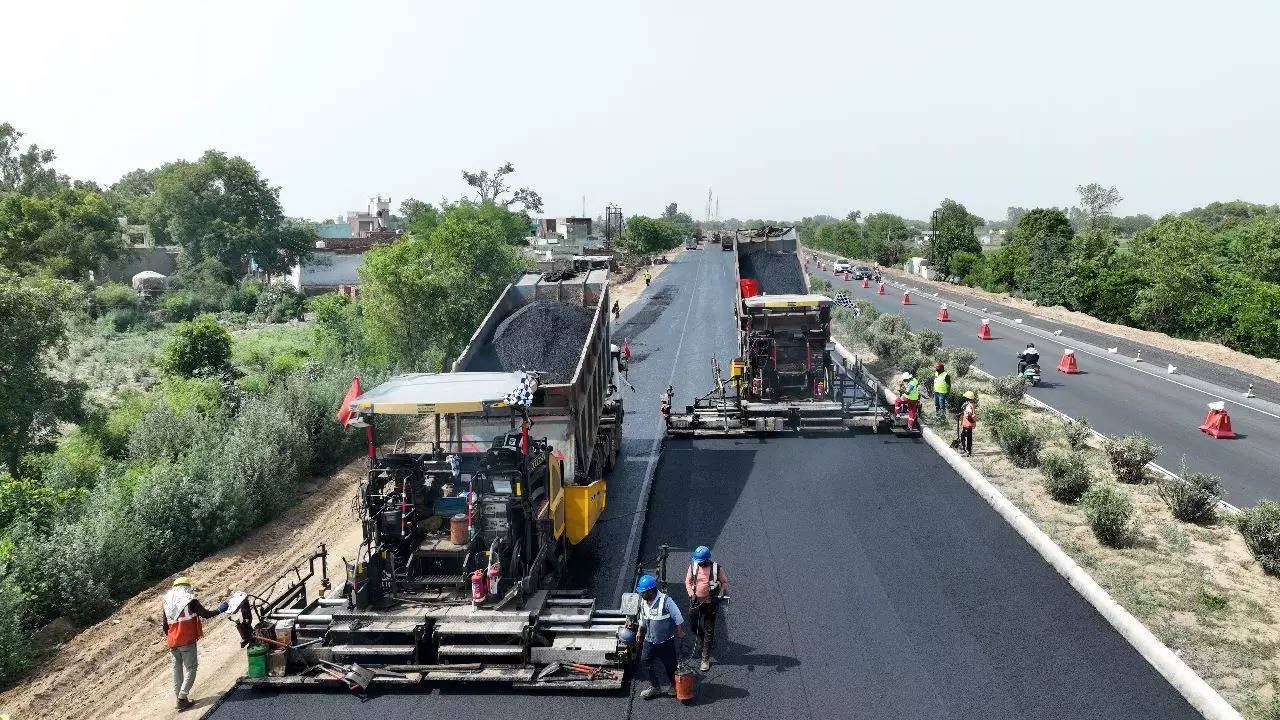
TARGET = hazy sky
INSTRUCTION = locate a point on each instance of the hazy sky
(784, 108)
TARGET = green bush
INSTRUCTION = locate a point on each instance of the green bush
(179, 306)
(124, 319)
(32, 502)
(339, 333)
(1260, 526)
(929, 341)
(1078, 432)
(960, 360)
(1009, 388)
(820, 285)
(1129, 455)
(1020, 443)
(113, 296)
(17, 632)
(1192, 496)
(198, 348)
(996, 416)
(279, 303)
(1110, 514)
(1066, 475)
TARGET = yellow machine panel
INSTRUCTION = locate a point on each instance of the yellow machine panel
(583, 505)
(556, 493)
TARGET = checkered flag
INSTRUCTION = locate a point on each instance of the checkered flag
(522, 395)
(843, 300)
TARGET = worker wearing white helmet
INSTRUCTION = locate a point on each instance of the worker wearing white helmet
(183, 625)
(908, 397)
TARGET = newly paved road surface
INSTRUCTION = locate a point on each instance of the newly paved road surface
(1117, 397)
(867, 580)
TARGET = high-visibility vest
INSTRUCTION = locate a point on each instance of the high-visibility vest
(713, 582)
(969, 415)
(185, 627)
(657, 611)
(942, 382)
(913, 389)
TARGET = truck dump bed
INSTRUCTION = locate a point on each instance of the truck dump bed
(767, 259)
(560, 329)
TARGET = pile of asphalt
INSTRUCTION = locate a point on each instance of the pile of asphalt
(779, 273)
(544, 335)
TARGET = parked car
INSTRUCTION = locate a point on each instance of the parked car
(841, 266)
(862, 271)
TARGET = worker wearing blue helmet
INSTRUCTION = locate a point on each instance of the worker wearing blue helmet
(660, 625)
(706, 584)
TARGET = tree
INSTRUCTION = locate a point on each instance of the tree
(219, 208)
(414, 211)
(1254, 247)
(129, 194)
(964, 262)
(642, 234)
(1177, 256)
(27, 172)
(491, 188)
(1046, 234)
(1013, 214)
(339, 334)
(1130, 225)
(197, 348)
(1096, 203)
(953, 226)
(33, 399)
(1219, 216)
(67, 234)
(424, 296)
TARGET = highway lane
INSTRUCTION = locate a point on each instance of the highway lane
(868, 581)
(1116, 398)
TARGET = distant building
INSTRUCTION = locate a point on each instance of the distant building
(360, 223)
(141, 254)
(335, 264)
(569, 229)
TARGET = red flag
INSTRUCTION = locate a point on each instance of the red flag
(344, 411)
(626, 349)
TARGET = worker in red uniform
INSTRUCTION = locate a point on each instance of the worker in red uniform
(909, 396)
(183, 618)
(706, 584)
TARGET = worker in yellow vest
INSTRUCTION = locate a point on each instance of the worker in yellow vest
(909, 397)
(941, 389)
(183, 625)
(647, 277)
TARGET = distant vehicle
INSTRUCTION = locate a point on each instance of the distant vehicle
(691, 243)
(841, 266)
(953, 279)
(862, 271)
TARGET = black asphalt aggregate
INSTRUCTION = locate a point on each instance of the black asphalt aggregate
(1115, 398)
(867, 580)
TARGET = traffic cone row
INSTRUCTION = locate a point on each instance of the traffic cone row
(1217, 423)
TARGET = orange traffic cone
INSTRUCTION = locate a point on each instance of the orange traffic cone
(865, 284)
(906, 298)
(881, 290)
(1217, 423)
(847, 277)
(942, 314)
(1068, 363)
(984, 330)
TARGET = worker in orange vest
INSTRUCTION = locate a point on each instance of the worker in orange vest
(968, 421)
(183, 625)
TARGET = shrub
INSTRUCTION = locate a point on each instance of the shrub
(996, 416)
(1260, 526)
(1129, 455)
(198, 348)
(124, 319)
(113, 296)
(961, 360)
(279, 303)
(1077, 432)
(928, 341)
(820, 285)
(339, 335)
(1009, 388)
(178, 306)
(1066, 475)
(17, 636)
(1110, 514)
(1020, 443)
(1192, 496)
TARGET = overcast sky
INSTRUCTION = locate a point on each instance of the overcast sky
(784, 108)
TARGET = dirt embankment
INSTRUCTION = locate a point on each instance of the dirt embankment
(119, 668)
(625, 287)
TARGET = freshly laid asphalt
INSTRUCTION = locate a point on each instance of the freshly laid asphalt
(1117, 397)
(867, 580)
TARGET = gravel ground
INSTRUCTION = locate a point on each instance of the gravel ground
(779, 273)
(543, 335)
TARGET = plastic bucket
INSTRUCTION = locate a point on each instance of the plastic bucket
(257, 660)
(684, 685)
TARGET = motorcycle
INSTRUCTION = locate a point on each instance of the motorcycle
(1029, 370)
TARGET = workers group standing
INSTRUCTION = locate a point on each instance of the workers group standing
(968, 421)
(660, 625)
(183, 626)
(941, 389)
(909, 396)
(706, 584)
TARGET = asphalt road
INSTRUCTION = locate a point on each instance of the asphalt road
(1117, 397)
(867, 580)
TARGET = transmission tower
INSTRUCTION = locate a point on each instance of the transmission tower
(708, 218)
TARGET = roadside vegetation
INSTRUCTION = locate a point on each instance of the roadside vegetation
(1203, 579)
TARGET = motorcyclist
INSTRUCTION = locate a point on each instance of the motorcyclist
(1029, 356)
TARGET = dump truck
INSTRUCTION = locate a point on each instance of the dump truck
(786, 377)
(467, 532)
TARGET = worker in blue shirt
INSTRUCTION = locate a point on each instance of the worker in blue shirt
(660, 625)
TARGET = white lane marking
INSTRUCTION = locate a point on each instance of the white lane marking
(628, 557)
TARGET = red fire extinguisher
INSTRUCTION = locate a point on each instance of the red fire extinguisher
(478, 589)
(495, 574)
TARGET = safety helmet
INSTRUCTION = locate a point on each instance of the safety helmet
(646, 583)
(938, 367)
(182, 580)
(907, 376)
(969, 395)
(701, 554)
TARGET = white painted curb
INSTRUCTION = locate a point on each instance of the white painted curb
(1185, 680)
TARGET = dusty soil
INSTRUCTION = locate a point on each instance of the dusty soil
(119, 668)
(1262, 367)
(626, 287)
